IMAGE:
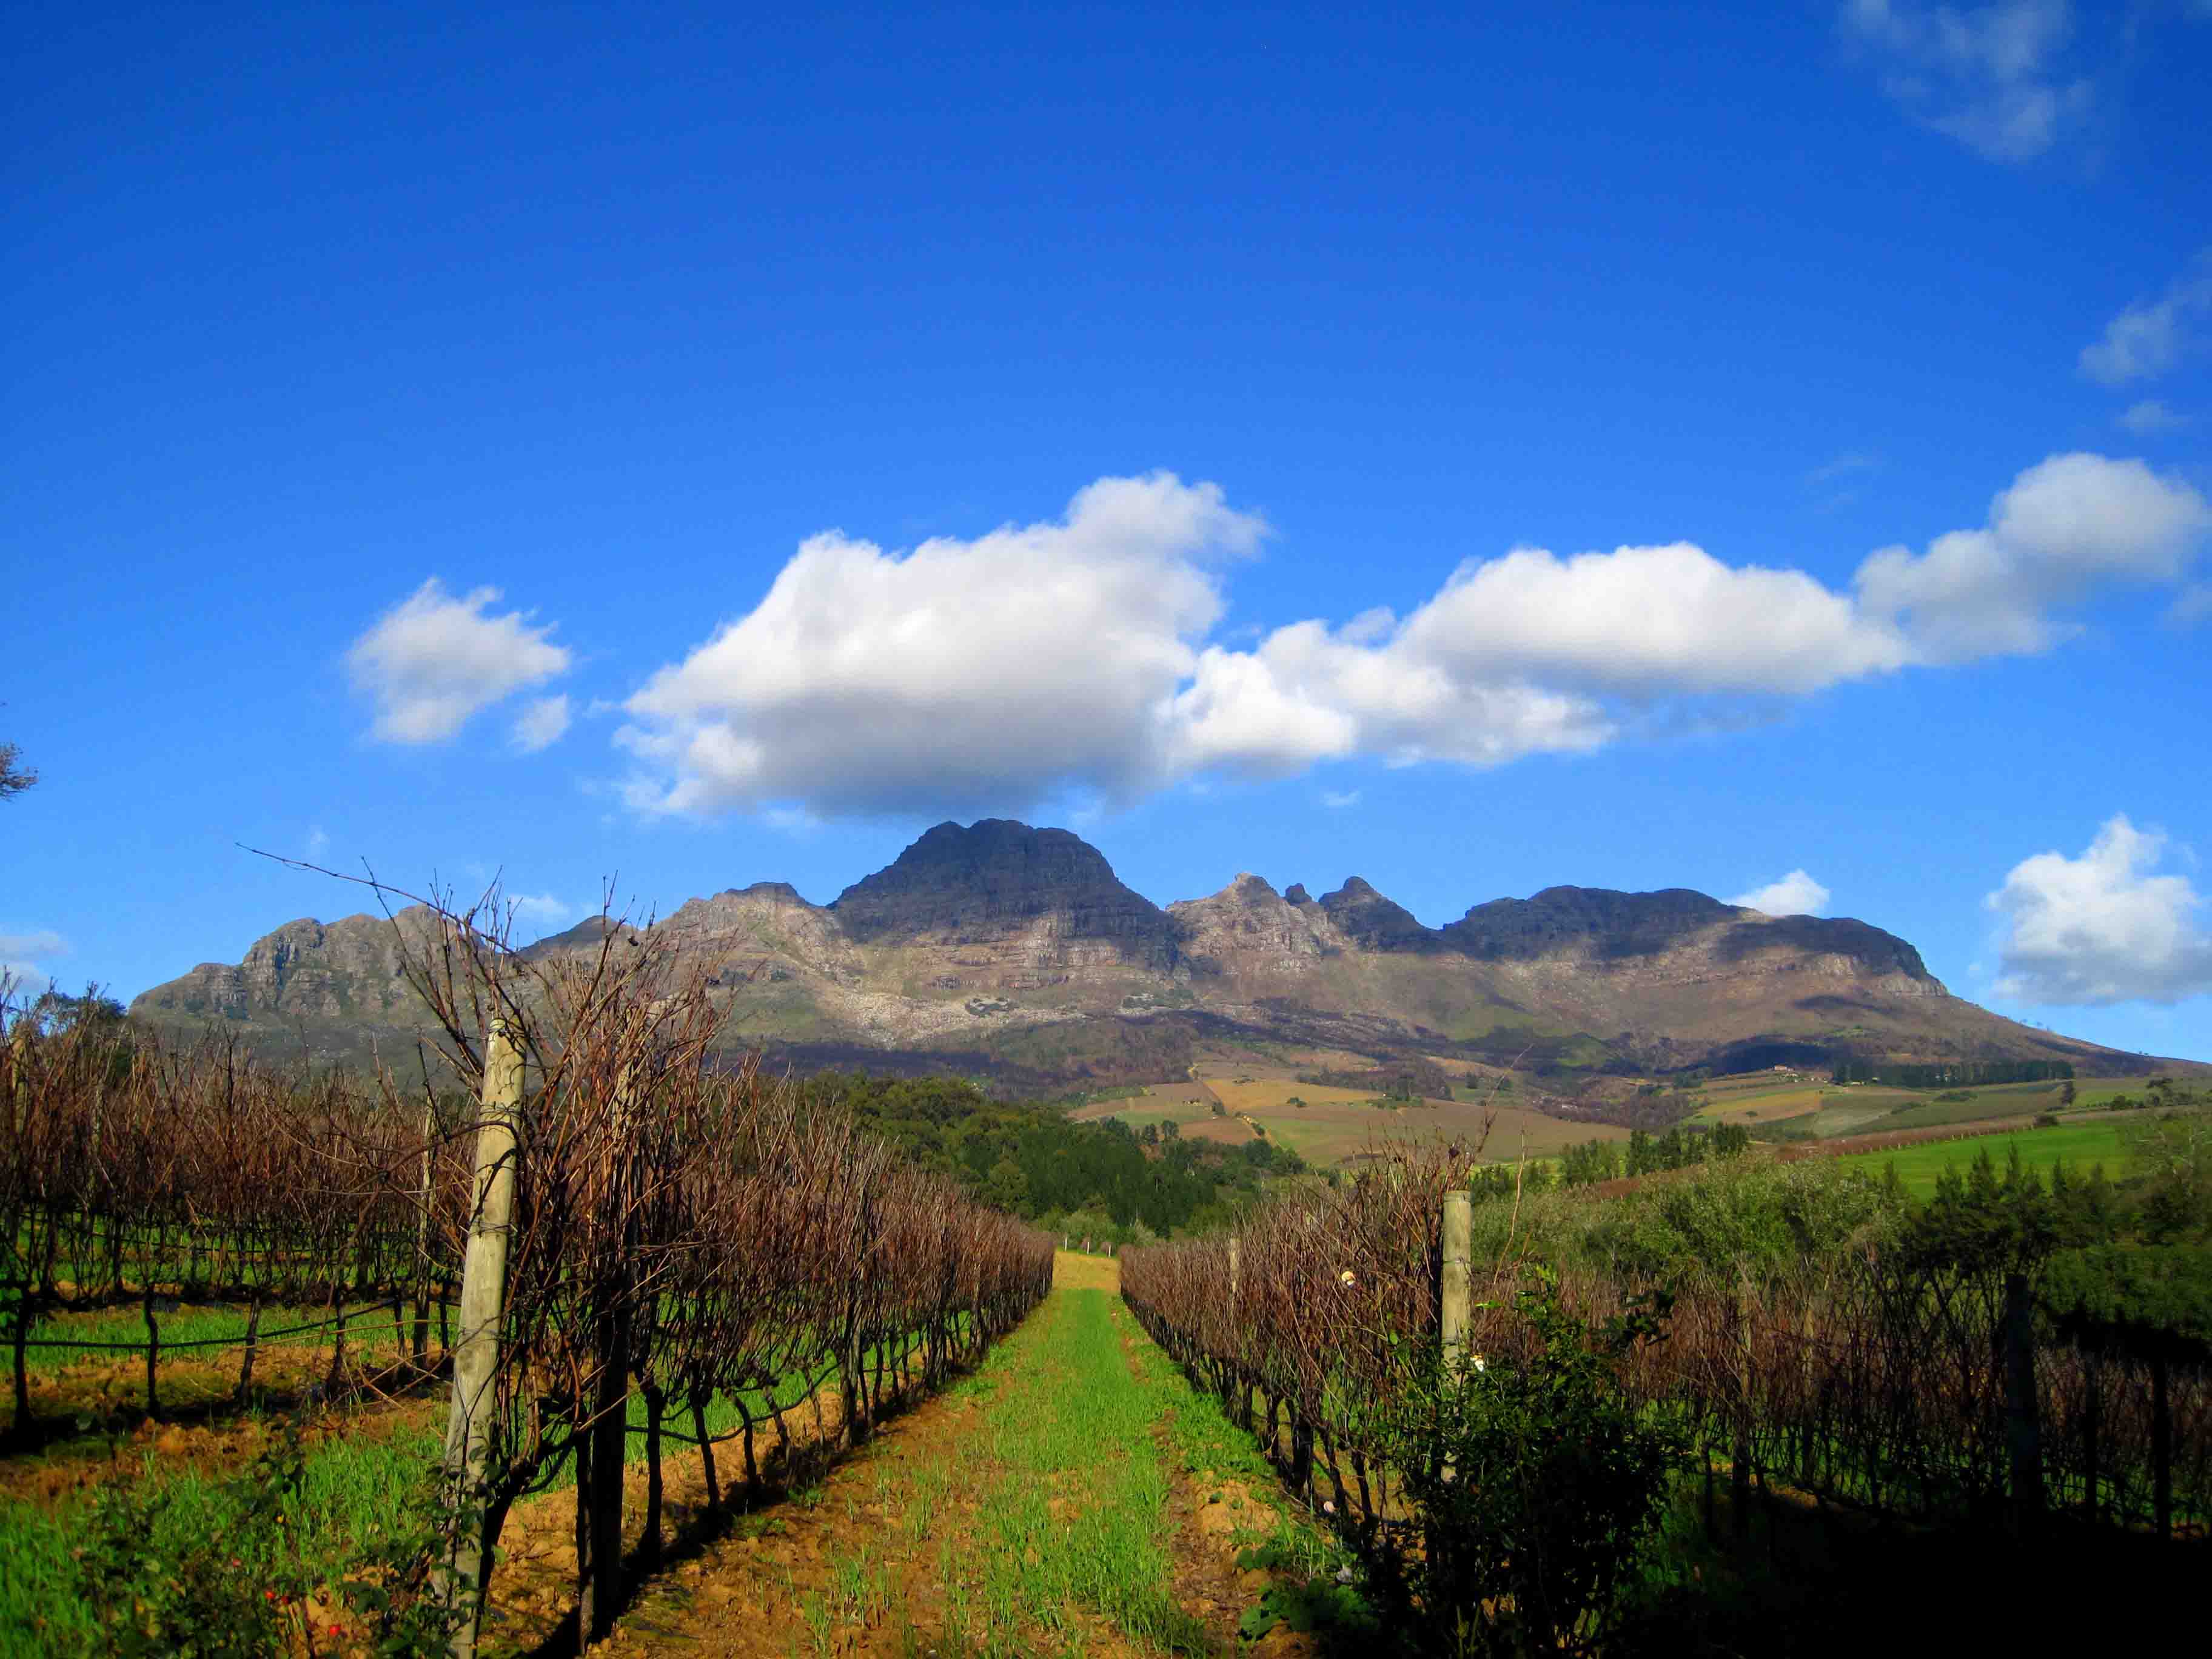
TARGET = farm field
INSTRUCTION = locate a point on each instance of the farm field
(1335, 1124)
(2079, 1146)
(1826, 1110)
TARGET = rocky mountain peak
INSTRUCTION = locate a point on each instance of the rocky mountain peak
(1599, 925)
(1295, 894)
(998, 878)
(782, 890)
(1366, 917)
(1595, 920)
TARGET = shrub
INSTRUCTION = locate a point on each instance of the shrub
(1537, 1482)
(173, 1566)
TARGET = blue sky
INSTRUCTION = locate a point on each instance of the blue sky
(680, 448)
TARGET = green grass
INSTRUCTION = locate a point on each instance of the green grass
(1069, 1422)
(351, 1489)
(2079, 1146)
(1044, 1527)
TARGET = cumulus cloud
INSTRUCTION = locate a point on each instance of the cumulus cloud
(434, 660)
(1032, 656)
(2152, 336)
(1991, 76)
(1796, 895)
(2064, 527)
(1074, 655)
(2102, 928)
(1335, 799)
(540, 725)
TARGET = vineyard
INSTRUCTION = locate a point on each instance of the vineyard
(1777, 1331)
(605, 1243)
(649, 1293)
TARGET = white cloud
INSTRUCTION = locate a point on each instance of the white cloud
(33, 946)
(2150, 417)
(1031, 658)
(2101, 929)
(318, 842)
(2192, 605)
(2063, 526)
(1336, 799)
(540, 913)
(1647, 620)
(434, 660)
(1845, 465)
(541, 724)
(1074, 655)
(1796, 895)
(1990, 76)
(2150, 336)
(23, 961)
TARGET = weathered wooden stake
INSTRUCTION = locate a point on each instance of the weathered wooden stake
(475, 1353)
(153, 1349)
(252, 1347)
(1458, 1253)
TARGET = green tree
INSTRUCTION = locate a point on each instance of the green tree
(14, 776)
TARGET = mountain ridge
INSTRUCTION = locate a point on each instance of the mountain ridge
(1021, 946)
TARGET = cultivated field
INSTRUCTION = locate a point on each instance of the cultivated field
(1326, 1125)
(2079, 1146)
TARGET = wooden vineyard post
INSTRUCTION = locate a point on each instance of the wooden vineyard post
(153, 1347)
(1458, 1253)
(475, 1350)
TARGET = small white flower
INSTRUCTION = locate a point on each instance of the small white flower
(1327, 1508)
(1481, 1364)
(1343, 1575)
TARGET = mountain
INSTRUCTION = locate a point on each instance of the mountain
(1016, 951)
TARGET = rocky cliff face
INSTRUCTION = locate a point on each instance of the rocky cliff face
(1373, 922)
(973, 933)
(1678, 934)
(350, 968)
(1248, 927)
(998, 881)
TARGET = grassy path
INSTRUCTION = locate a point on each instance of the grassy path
(1073, 1497)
